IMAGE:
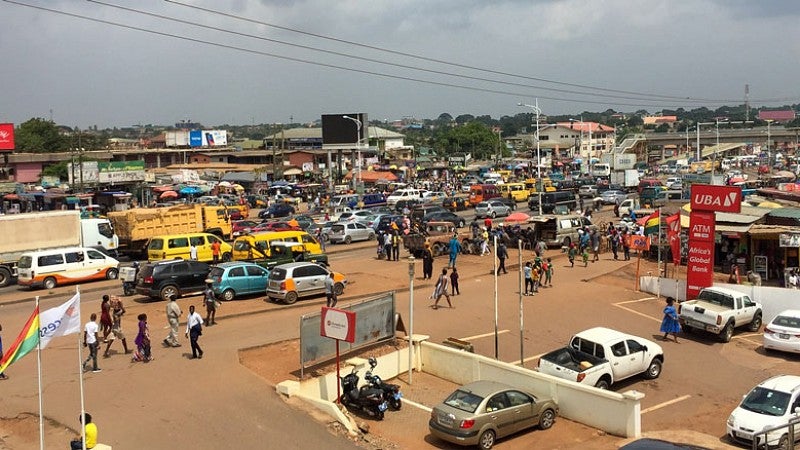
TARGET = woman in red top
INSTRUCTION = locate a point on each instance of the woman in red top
(105, 317)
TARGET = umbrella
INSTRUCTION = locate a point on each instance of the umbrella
(518, 217)
(771, 205)
(238, 187)
(190, 190)
(168, 194)
(785, 174)
(224, 184)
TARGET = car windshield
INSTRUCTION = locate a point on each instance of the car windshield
(766, 401)
(463, 400)
(25, 262)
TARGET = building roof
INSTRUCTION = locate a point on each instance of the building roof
(371, 176)
(783, 115)
(788, 213)
(316, 133)
(594, 127)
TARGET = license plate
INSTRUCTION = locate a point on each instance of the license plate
(383, 406)
(783, 336)
(445, 420)
(398, 395)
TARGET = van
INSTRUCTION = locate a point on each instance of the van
(648, 182)
(172, 246)
(547, 185)
(514, 191)
(404, 194)
(558, 202)
(561, 231)
(482, 192)
(255, 246)
(50, 268)
(373, 200)
(349, 200)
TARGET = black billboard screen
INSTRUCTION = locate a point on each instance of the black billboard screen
(337, 129)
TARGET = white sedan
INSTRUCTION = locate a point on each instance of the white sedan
(783, 332)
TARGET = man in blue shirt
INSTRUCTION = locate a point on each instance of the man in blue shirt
(455, 249)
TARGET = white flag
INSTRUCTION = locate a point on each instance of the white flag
(60, 321)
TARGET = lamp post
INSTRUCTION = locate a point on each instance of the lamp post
(410, 317)
(769, 141)
(590, 143)
(358, 147)
(535, 108)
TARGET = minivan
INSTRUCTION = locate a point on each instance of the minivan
(404, 194)
(50, 268)
(256, 245)
(174, 246)
(559, 202)
(373, 200)
(482, 192)
(350, 200)
(561, 231)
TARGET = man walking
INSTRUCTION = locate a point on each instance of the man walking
(215, 246)
(455, 249)
(117, 310)
(502, 254)
(90, 340)
(194, 328)
(454, 282)
(330, 291)
(173, 315)
(396, 245)
(193, 251)
(528, 272)
(211, 304)
(595, 240)
(387, 245)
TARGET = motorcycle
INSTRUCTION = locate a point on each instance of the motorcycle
(391, 392)
(128, 276)
(366, 399)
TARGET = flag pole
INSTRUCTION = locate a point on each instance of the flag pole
(80, 375)
(39, 376)
(494, 270)
(658, 288)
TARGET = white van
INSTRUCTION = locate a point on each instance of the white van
(50, 268)
(404, 194)
(349, 200)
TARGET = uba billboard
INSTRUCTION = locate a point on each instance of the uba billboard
(6, 137)
(706, 197)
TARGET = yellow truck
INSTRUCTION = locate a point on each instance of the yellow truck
(515, 191)
(547, 185)
(136, 226)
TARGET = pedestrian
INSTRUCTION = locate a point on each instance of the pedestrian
(571, 253)
(192, 251)
(441, 289)
(3, 375)
(595, 239)
(90, 339)
(502, 254)
(485, 242)
(487, 223)
(173, 316)
(670, 322)
(585, 256)
(528, 273)
(330, 291)
(89, 430)
(626, 246)
(105, 317)
(395, 244)
(210, 301)
(194, 329)
(117, 311)
(142, 340)
(616, 207)
(454, 282)
(734, 277)
(427, 262)
(215, 248)
(455, 249)
(614, 240)
(547, 269)
(541, 247)
(321, 239)
(387, 245)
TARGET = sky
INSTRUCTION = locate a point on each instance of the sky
(245, 62)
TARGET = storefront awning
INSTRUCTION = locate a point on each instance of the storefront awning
(732, 228)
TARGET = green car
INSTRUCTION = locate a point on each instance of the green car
(482, 411)
(282, 252)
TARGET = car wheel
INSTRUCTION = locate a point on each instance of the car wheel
(783, 443)
(112, 274)
(486, 440)
(727, 333)
(228, 295)
(653, 370)
(49, 283)
(371, 236)
(347, 239)
(167, 292)
(5, 277)
(602, 384)
(461, 223)
(227, 257)
(756, 323)
(547, 419)
(494, 214)
(338, 289)
(290, 298)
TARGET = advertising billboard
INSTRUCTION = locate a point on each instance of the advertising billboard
(700, 257)
(624, 161)
(6, 137)
(342, 130)
(706, 197)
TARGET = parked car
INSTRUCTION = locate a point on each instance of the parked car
(348, 232)
(773, 403)
(611, 197)
(171, 278)
(278, 226)
(480, 412)
(420, 211)
(455, 204)
(410, 203)
(277, 210)
(720, 310)
(492, 208)
(783, 332)
(444, 216)
(288, 282)
(587, 190)
(240, 226)
(238, 278)
(433, 196)
(385, 222)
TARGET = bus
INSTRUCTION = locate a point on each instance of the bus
(515, 191)
(601, 170)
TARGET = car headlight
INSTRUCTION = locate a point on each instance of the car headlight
(731, 421)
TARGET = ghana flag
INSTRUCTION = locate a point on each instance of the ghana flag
(27, 340)
(652, 223)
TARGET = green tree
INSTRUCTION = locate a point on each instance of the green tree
(38, 135)
(474, 137)
(58, 170)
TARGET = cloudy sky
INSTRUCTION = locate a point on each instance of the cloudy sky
(248, 61)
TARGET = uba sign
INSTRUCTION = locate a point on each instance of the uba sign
(706, 197)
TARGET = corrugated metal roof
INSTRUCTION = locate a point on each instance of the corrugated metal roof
(764, 230)
(316, 133)
(789, 213)
(732, 228)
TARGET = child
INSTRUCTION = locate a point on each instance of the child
(535, 277)
(547, 268)
(585, 256)
(571, 254)
(454, 282)
(528, 271)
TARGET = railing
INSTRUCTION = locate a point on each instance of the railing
(790, 437)
(629, 142)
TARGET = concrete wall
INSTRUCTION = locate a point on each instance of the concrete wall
(773, 299)
(618, 414)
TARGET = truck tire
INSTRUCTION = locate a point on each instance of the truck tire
(5, 277)
(727, 332)
(756, 323)
(653, 370)
(227, 257)
(169, 291)
(602, 384)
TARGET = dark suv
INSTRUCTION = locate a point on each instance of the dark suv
(277, 210)
(176, 277)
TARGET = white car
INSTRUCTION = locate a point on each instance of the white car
(348, 232)
(404, 194)
(670, 181)
(491, 208)
(772, 403)
(783, 332)
(433, 196)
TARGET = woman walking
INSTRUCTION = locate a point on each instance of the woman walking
(143, 340)
(105, 317)
(670, 322)
(427, 262)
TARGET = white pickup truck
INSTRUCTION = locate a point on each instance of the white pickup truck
(601, 357)
(720, 310)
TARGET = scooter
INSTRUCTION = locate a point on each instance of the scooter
(128, 276)
(366, 399)
(391, 392)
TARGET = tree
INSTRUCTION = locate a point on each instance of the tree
(38, 135)
(57, 170)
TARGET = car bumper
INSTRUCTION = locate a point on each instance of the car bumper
(773, 342)
(280, 295)
(336, 239)
(149, 292)
(685, 321)
(446, 434)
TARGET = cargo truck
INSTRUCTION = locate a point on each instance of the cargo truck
(30, 232)
(136, 226)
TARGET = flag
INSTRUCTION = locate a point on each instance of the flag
(674, 237)
(637, 242)
(26, 341)
(61, 320)
(652, 223)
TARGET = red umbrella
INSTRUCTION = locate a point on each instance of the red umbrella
(518, 217)
(168, 194)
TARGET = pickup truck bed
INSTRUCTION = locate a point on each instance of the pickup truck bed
(572, 359)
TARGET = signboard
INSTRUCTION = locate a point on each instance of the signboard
(341, 131)
(195, 138)
(706, 197)
(789, 240)
(701, 226)
(637, 242)
(338, 324)
(624, 161)
(121, 171)
(699, 268)
(6, 137)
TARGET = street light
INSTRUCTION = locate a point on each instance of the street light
(410, 317)
(535, 108)
(590, 146)
(358, 147)
(769, 141)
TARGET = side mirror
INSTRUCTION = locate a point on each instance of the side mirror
(644, 348)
